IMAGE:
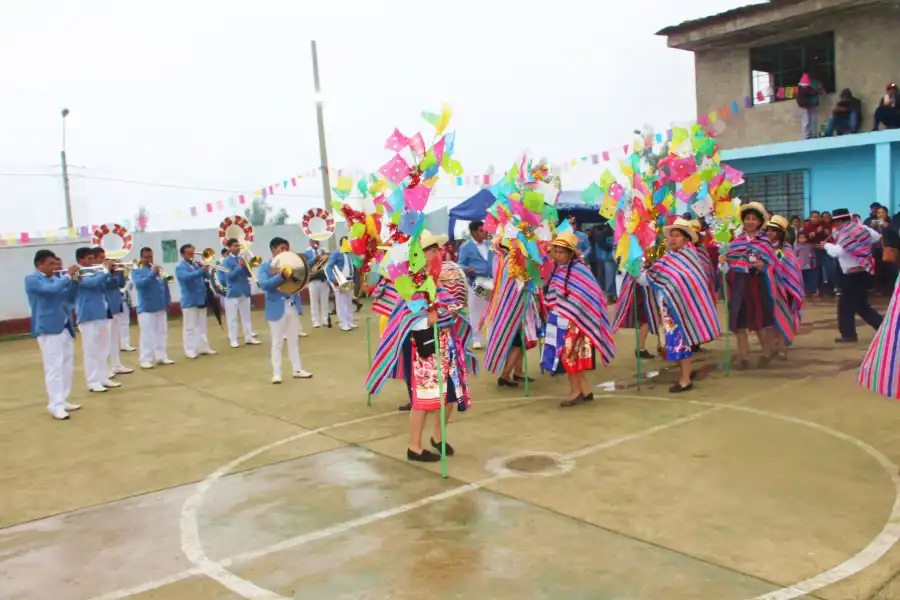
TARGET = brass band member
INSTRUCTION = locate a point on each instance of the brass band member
(92, 315)
(237, 297)
(153, 299)
(192, 283)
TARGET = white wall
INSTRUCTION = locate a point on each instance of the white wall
(17, 261)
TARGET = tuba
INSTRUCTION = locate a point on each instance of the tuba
(341, 283)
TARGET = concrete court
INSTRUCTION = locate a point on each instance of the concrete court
(715, 494)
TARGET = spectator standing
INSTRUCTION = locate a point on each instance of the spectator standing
(885, 272)
(828, 262)
(808, 101)
(873, 214)
(845, 116)
(806, 257)
(888, 111)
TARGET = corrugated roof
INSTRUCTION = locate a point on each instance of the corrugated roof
(741, 11)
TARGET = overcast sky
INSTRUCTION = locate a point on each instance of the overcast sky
(219, 94)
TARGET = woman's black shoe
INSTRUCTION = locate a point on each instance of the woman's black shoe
(425, 456)
(572, 402)
(843, 340)
(437, 446)
(405, 407)
(678, 388)
(588, 397)
(520, 378)
(506, 383)
(643, 354)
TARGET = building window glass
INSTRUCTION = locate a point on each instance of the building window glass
(782, 65)
(781, 193)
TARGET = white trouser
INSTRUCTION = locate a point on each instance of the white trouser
(122, 322)
(286, 329)
(113, 343)
(477, 306)
(235, 307)
(193, 324)
(318, 301)
(58, 354)
(343, 305)
(154, 336)
(95, 344)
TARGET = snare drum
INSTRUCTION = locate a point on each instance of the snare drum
(483, 287)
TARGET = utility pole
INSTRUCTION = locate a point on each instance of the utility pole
(65, 172)
(323, 153)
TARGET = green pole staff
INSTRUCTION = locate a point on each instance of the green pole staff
(440, 371)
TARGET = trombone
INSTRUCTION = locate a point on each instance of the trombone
(252, 260)
(209, 258)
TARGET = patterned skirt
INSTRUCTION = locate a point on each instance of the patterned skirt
(750, 306)
(424, 380)
(677, 346)
(577, 353)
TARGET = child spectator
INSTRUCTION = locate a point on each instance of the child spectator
(806, 257)
(808, 101)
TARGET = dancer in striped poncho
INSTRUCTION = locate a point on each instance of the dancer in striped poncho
(647, 312)
(687, 308)
(789, 285)
(512, 304)
(578, 324)
(880, 369)
(751, 264)
(411, 326)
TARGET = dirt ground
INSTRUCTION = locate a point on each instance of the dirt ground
(203, 481)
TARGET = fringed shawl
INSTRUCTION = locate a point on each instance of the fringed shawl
(856, 242)
(575, 295)
(624, 316)
(507, 308)
(738, 259)
(385, 297)
(880, 369)
(680, 279)
(789, 279)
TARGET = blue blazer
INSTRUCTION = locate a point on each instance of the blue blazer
(470, 258)
(50, 302)
(192, 283)
(311, 255)
(238, 278)
(338, 259)
(274, 299)
(90, 298)
(152, 292)
(114, 298)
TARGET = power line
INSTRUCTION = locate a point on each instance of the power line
(29, 175)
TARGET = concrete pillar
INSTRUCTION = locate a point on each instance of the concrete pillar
(884, 177)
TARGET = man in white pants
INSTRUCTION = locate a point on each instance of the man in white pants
(117, 309)
(123, 319)
(237, 297)
(51, 324)
(193, 283)
(93, 317)
(477, 260)
(282, 314)
(343, 300)
(153, 299)
(318, 286)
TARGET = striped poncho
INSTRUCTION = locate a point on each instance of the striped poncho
(680, 279)
(789, 280)
(856, 241)
(880, 369)
(512, 305)
(575, 295)
(387, 357)
(624, 316)
(738, 259)
(385, 298)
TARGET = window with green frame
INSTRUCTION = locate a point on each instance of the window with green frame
(782, 65)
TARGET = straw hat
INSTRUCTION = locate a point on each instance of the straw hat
(696, 226)
(754, 207)
(778, 222)
(567, 240)
(429, 239)
(684, 226)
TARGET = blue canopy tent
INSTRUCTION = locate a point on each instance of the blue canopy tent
(471, 209)
(570, 204)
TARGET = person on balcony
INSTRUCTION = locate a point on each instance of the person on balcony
(845, 116)
(888, 111)
(808, 101)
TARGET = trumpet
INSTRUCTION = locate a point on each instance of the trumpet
(209, 258)
(83, 272)
(137, 264)
(251, 260)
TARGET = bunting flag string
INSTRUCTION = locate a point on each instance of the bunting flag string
(240, 201)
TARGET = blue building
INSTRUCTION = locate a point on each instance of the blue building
(794, 178)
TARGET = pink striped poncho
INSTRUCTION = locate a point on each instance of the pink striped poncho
(789, 299)
(385, 297)
(575, 295)
(880, 369)
(511, 308)
(624, 316)
(856, 241)
(680, 278)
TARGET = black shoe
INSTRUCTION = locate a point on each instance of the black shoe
(588, 397)
(643, 354)
(520, 378)
(678, 388)
(742, 365)
(843, 340)
(437, 446)
(358, 306)
(763, 362)
(506, 383)
(405, 407)
(426, 456)
(572, 402)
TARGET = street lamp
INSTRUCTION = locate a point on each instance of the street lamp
(320, 118)
(65, 171)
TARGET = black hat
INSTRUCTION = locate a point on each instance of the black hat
(840, 213)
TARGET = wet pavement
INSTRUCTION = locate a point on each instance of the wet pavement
(752, 483)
